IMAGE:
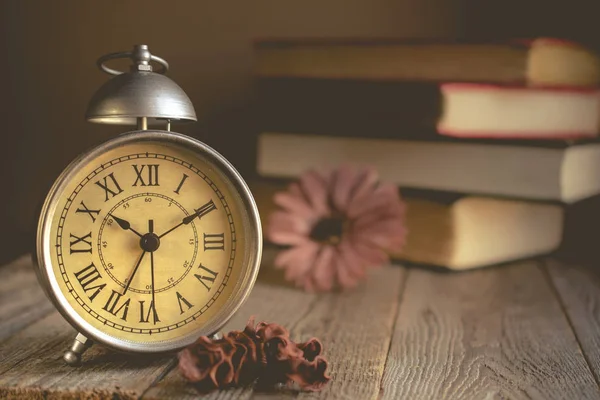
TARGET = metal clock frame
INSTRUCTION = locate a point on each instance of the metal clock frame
(252, 254)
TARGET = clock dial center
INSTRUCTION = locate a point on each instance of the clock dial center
(150, 242)
(137, 224)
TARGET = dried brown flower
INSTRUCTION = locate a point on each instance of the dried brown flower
(263, 352)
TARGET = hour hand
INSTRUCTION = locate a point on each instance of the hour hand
(205, 209)
(200, 212)
(125, 225)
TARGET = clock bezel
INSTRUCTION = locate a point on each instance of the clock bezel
(252, 231)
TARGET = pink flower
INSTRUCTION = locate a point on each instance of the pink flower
(336, 224)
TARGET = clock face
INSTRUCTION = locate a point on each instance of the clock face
(150, 242)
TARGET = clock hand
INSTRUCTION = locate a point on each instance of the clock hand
(151, 230)
(200, 212)
(125, 225)
(137, 265)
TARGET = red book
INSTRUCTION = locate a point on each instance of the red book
(484, 110)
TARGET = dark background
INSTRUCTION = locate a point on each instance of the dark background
(49, 50)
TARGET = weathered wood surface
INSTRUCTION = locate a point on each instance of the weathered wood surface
(355, 327)
(492, 333)
(579, 290)
(21, 299)
(405, 333)
(32, 367)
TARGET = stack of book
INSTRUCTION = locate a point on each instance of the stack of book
(490, 144)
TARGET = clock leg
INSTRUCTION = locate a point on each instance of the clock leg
(79, 346)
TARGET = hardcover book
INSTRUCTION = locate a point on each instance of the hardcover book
(557, 171)
(461, 232)
(541, 61)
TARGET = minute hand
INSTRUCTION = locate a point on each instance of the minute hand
(200, 212)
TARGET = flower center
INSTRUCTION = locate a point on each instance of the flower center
(328, 230)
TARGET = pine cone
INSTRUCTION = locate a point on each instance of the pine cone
(264, 352)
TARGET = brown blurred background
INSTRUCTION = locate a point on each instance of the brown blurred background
(49, 50)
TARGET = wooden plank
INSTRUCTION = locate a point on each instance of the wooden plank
(22, 300)
(355, 328)
(32, 367)
(268, 302)
(579, 290)
(491, 333)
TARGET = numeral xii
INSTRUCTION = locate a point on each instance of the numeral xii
(146, 175)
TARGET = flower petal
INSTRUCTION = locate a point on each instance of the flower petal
(365, 183)
(294, 204)
(345, 178)
(287, 238)
(371, 256)
(323, 271)
(344, 276)
(351, 259)
(285, 257)
(302, 263)
(382, 197)
(281, 221)
(315, 190)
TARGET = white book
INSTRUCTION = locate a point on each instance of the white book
(565, 173)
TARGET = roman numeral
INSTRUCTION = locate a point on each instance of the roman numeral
(214, 241)
(210, 278)
(205, 209)
(181, 299)
(151, 174)
(111, 188)
(113, 306)
(81, 244)
(89, 212)
(86, 278)
(152, 309)
(180, 183)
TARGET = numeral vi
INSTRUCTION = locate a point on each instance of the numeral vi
(145, 317)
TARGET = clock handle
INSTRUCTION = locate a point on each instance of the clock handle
(79, 346)
(141, 58)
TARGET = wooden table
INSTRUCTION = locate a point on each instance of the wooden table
(525, 330)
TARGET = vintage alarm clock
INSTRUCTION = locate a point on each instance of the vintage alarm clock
(152, 238)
